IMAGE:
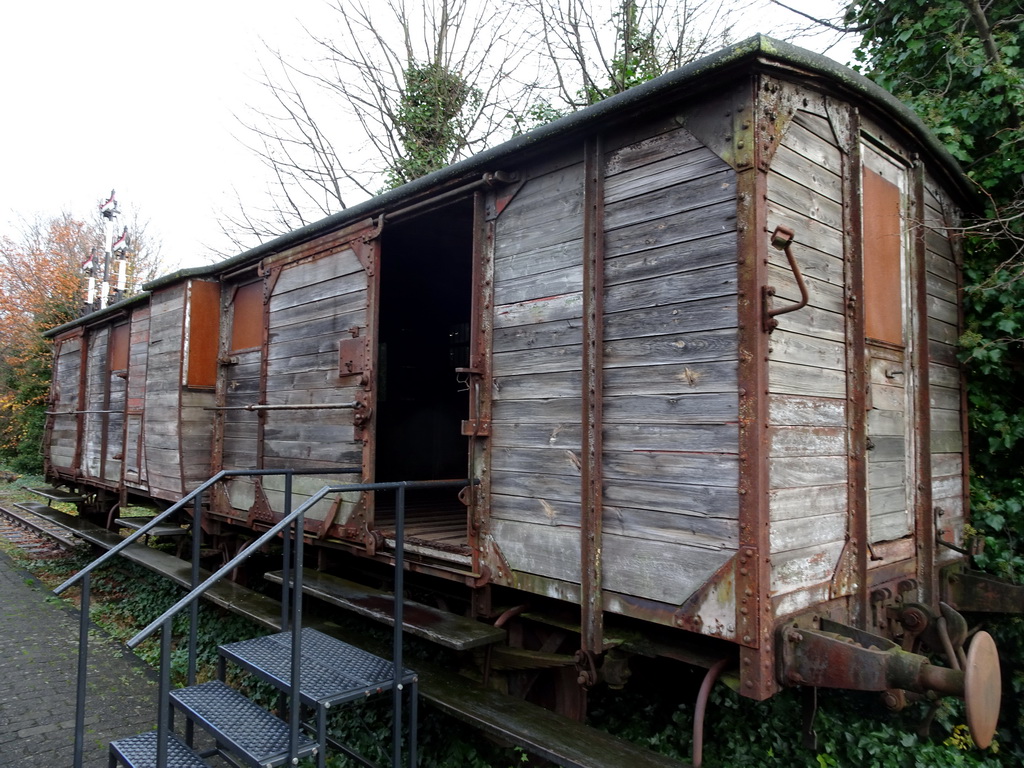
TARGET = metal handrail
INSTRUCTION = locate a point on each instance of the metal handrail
(295, 517)
(283, 523)
(291, 518)
(110, 553)
(84, 574)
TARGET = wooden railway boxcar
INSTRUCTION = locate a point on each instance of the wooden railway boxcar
(696, 344)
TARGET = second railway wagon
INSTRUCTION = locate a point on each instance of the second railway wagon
(693, 350)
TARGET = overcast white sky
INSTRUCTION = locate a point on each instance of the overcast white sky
(138, 96)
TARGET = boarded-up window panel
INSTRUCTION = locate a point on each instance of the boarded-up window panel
(883, 277)
(119, 348)
(247, 320)
(203, 329)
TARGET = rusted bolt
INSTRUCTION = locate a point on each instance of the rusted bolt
(743, 571)
(744, 610)
(750, 553)
(746, 638)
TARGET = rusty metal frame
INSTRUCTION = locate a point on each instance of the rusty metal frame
(591, 602)
(481, 335)
(856, 373)
(753, 576)
(924, 518)
(367, 248)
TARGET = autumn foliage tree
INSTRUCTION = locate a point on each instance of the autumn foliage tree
(40, 287)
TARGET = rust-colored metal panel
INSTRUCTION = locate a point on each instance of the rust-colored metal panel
(247, 320)
(119, 347)
(883, 275)
(203, 329)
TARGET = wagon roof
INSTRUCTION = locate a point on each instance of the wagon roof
(701, 75)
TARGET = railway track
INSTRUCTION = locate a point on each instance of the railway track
(39, 537)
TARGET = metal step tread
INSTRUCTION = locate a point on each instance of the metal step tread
(140, 752)
(331, 671)
(456, 632)
(241, 725)
(159, 530)
(56, 494)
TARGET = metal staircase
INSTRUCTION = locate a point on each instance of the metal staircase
(325, 672)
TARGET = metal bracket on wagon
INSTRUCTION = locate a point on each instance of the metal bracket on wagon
(839, 656)
(782, 238)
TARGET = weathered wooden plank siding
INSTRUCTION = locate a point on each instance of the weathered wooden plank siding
(670, 410)
(97, 379)
(942, 281)
(138, 357)
(163, 459)
(538, 255)
(808, 497)
(64, 429)
(314, 306)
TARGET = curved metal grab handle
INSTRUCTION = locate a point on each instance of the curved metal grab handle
(782, 238)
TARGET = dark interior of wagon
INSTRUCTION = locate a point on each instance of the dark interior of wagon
(425, 305)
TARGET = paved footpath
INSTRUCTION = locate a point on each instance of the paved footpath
(38, 668)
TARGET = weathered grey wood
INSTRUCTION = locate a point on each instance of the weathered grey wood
(810, 233)
(799, 349)
(673, 349)
(698, 531)
(526, 287)
(944, 311)
(801, 568)
(807, 441)
(554, 334)
(711, 251)
(510, 262)
(447, 629)
(650, 198)
(624, 464)
(543, 309)
(336, 325)
(816, 124)
(789, 503)
(882, 422)
(543, 550)
(795, 410)
(790, 379)
(666, 379)
(943, 332)
(676, 228)
(827, 270)
(804, 201)
(299, 275)
(692, 285)
(650, 150)
(943, 376)
(803, 471)
(817, 173)
(681, 408)
(945, 421)
(544, 360)
(715, 313)
(317, 291)
(513, 434)
(662, 571)
(798, 533)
